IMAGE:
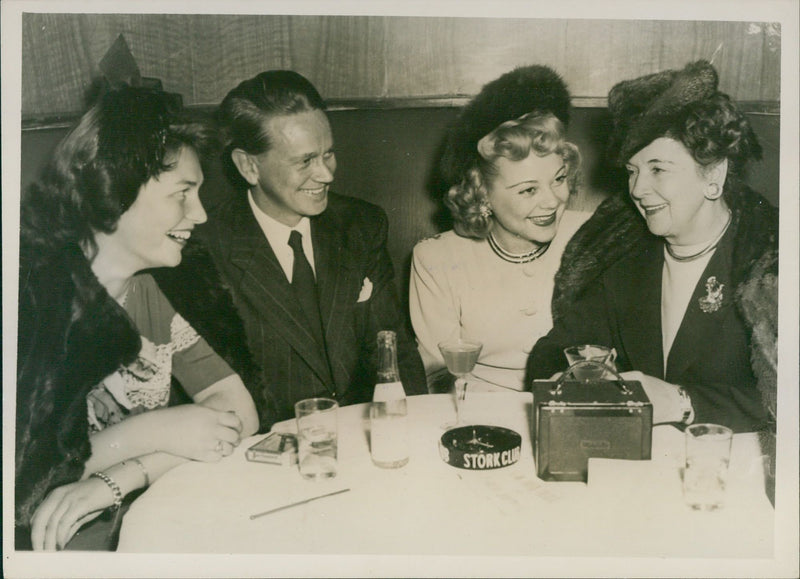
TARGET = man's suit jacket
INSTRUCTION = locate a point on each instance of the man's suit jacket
(710, 356)
(355, 282)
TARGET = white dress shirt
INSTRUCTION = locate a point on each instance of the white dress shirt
(277, 235)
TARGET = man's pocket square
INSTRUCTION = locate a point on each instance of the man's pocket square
(366, 290)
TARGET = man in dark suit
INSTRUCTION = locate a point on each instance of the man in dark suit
(309, 269)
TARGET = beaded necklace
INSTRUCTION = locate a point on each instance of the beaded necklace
(526, 257)
(711, 246)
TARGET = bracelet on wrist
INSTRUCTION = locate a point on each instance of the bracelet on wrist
(144, 472)
(115, 490)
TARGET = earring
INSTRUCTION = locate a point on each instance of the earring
(713, 194)
(485, 209)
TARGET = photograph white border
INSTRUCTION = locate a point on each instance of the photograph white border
(125, 565)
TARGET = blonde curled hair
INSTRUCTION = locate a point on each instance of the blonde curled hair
(539, 133)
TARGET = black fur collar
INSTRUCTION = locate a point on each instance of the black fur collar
(616, 229)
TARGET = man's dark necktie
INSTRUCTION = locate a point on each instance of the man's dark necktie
(305, 287)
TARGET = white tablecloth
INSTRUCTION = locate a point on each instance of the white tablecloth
(628, 508)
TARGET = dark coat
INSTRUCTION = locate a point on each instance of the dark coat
(608, 291)
(72, 334)
(349, 240)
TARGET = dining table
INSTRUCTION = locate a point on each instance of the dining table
(630, 508)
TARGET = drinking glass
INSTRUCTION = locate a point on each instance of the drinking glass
(317, 442)
(460, 356)
(708, 452)
(591, 352)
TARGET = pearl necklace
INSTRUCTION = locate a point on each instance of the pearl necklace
(710, 247)
(526, 257)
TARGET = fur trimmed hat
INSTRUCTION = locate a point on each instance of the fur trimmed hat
(645, 108)
(520, 91)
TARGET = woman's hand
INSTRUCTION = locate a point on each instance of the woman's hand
(65, 510)
(230, 394)
(103, 409)
(664, 396)
(197, 432)
(204, 431)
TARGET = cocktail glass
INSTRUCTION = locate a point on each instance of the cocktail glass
(460, 356)
(590, 353)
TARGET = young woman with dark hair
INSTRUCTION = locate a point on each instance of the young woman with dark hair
(107, 322)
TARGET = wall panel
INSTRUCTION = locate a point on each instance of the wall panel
(377, 57)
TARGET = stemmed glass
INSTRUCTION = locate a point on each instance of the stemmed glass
(460, 356)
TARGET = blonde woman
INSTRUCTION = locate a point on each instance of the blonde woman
(491, 278)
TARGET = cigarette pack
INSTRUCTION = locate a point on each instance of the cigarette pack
(275, 448)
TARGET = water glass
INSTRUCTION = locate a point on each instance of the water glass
(708, 452)
(317, 434)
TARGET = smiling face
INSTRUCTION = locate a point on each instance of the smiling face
(291, 179)
(669, 188)
(156, 227)
(528, 198)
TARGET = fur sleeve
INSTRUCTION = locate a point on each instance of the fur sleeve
(758, 299)
(611, 233)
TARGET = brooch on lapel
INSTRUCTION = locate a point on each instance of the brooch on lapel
(712, 301)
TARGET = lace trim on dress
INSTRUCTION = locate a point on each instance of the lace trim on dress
(142, 385)
(182, 335)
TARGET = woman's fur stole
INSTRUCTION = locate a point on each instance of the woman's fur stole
(72, 334)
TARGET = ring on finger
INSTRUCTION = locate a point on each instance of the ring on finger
(218, 448)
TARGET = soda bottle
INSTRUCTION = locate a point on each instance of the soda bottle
(389, 411)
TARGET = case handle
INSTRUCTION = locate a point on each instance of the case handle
(556, 390)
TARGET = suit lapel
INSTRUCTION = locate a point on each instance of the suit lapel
(265, 286)
(249, 246)
(637, 300)
(699, 327)
(334, 271)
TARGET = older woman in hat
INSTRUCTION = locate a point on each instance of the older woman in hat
(671, 278)
(512, 173)
(114, 306)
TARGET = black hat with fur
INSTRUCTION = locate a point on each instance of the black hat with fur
(523, 90)
(647, 107)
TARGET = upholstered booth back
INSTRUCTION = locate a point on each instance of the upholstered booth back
(389, 157)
